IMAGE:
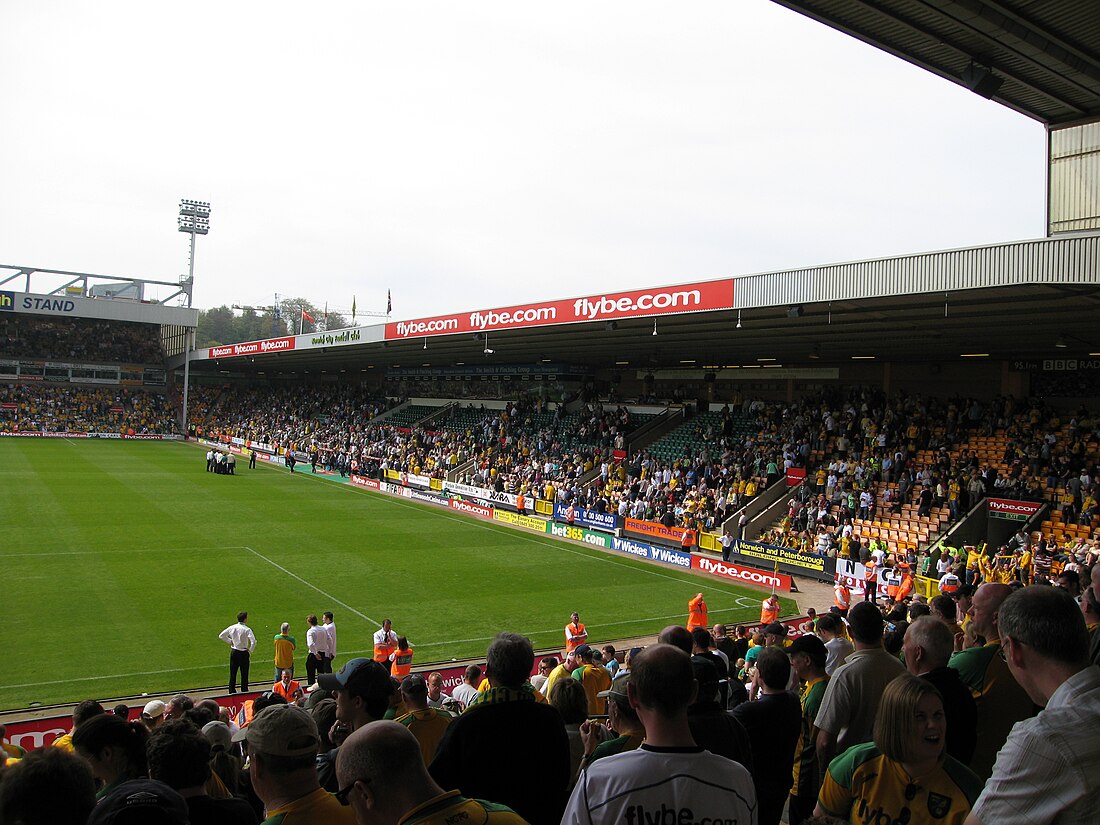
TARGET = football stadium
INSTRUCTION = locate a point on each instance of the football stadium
(817, 542)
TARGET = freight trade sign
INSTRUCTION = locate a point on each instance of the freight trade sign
(697, 297)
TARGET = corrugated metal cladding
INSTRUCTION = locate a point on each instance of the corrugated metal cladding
(1075, 179)
(1073, 260)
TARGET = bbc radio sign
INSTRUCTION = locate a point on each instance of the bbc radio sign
(1070, 364)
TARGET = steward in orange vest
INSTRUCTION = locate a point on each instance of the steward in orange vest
(697, 613)
(575, 634)
(769, 610)
(401, 659)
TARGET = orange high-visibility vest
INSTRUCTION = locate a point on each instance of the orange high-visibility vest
(842, 596)
(905, 588)
(697, 613)
(769, 613)
(402, 662)
(575, 636)
(382, 652)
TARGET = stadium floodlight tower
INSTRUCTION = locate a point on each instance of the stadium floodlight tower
(194, 220)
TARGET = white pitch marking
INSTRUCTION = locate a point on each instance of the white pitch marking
(313, 587)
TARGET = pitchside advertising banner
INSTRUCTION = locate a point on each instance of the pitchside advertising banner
(697, 297)
(565, 531)
(819, 567)
(657, 530)
(40, 733)
(587, 518)
(483, 493)
(1012, 510)
(739, 574)
(665, 555)
(526, 522)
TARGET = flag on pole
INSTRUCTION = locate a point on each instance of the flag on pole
(389, 302)
(326, 314)
(353, 309)
(306, 316)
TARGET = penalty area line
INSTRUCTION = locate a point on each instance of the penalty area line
(312, 586)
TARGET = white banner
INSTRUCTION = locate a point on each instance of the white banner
(480, 492)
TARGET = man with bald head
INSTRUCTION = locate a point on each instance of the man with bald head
(1001, 701)
(384, 780)
(668, 777)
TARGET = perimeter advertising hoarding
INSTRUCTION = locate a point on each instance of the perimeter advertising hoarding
(739, 574)
(794, 562)
(564, 531)
(526, 522)
(656, 530)
(665, 555)
(33, 734)
(587, 518)
(470, 508)
(669, 300)
(483, 493)
(1012, 510)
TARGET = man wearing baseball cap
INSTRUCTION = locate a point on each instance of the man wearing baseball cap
(282, 744)
(153, 713)
(362, 689)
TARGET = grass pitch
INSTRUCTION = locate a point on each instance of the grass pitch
(122, 561)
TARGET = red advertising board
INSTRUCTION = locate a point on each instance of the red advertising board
(657, 530)
(795, 476)
(40, 733)
(253, 347)
(740, 573)
(1013, 509)
(668, 300)
(369, 483)
(471, 509)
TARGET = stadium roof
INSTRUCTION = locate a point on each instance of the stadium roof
(1030, 300)
(1039, 57)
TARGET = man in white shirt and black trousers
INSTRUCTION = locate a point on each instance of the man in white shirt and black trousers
(242, 642)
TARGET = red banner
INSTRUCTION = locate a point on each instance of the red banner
(658, 531)
(369, 483)
(253, 347)
(740, 574)
(470, 508)
(669, 300)
(1013, 509)
(795, 476)
(40, 733)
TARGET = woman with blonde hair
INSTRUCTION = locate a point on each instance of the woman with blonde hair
(904, 775)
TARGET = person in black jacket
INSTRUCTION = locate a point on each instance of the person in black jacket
(506, 746)
(927, 648)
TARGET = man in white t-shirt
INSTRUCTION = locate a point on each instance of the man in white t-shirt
(668, 777)
(467, 691)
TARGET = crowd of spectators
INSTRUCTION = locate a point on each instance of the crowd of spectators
(45, 408)
(901, 709)
(84, 339)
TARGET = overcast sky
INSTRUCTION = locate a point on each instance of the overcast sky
(481, 154)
